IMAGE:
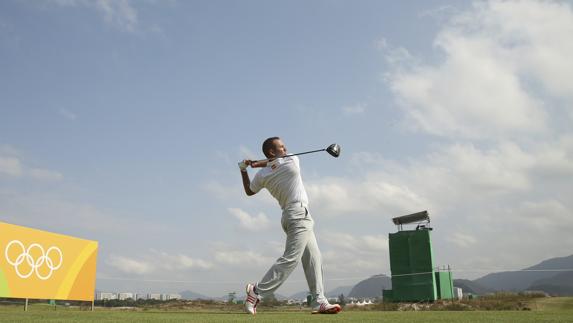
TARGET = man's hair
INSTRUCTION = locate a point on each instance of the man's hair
(268, 145)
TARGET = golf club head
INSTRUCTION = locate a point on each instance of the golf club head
(333, 150)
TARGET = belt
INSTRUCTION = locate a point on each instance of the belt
(301, 204)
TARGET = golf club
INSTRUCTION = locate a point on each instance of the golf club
(333, 150)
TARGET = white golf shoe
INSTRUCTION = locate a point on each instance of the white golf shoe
(326, 308)
(252, 300)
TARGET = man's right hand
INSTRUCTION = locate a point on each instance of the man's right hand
(258, 164)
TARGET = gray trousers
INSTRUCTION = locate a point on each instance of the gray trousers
(300, 245)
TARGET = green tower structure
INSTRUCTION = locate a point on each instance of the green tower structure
(414, 276)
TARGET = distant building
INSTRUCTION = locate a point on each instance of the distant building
(363, 302)
(172, 296)
(124, 296)
(458, 293)
(292, 301)
(134, 296)
(105, 296)
(167, 297)
(471, 296)
(154, 296)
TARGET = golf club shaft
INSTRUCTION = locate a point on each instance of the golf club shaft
(289, 155)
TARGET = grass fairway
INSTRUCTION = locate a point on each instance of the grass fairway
(114, 316)
(553, 304)
(544, 310)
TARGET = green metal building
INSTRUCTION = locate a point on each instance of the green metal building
(414, 276)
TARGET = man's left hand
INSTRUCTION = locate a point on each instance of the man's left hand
(244, 164)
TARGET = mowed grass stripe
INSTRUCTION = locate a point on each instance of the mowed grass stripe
(104, 315)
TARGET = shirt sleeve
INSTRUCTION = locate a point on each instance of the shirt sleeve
(296, 161)
(257, 183)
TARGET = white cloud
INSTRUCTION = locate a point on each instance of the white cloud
(157, 262)
(165, 261)
(117, 13)
(354, 109)
(233, 191)
(241, 258)
(394, 55)
(461, 185)
(473, 95)
(259, 222)
(534, 33)
(345, 253)
(44, 174)
(129, 265)
(56, 214)
(500, 101)
(542, 215)
(247, 153)
(8, 150)
(494, 57)
(188, 262)
(522, 233)
(67, 114)
(222, 191)
(555, 158)
(441, 13)
(375, 243)
(462, 240)
(360, 244)
(503, 168)
(441, 180)
(371, 194)
(504, 62)
(10, 166)
(347, 263)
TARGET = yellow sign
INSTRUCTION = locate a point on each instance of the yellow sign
(44, 265)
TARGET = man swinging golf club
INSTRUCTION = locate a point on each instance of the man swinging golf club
(280, 175)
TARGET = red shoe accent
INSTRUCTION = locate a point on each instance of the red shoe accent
(335, 309)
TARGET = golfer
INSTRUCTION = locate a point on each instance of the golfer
(281, 177)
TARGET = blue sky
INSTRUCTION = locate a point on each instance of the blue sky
(122, 121)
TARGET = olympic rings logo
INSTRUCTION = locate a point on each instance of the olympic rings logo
(35, 265)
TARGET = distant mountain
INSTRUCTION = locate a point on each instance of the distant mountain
(241, 296)
(371, 287)
(333, 293)
(521, 280)
(192, 295)
(552, 282)
(558, 285)
(339, 290)
(280, 297)
(299, 295)
(225, 298)
(472, 287)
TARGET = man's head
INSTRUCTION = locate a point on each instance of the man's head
(273, 147)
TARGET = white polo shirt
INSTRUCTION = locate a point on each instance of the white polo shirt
(282, 179)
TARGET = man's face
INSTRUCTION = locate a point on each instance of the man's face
(279, 149)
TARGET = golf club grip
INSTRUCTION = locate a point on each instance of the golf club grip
(306, 152)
